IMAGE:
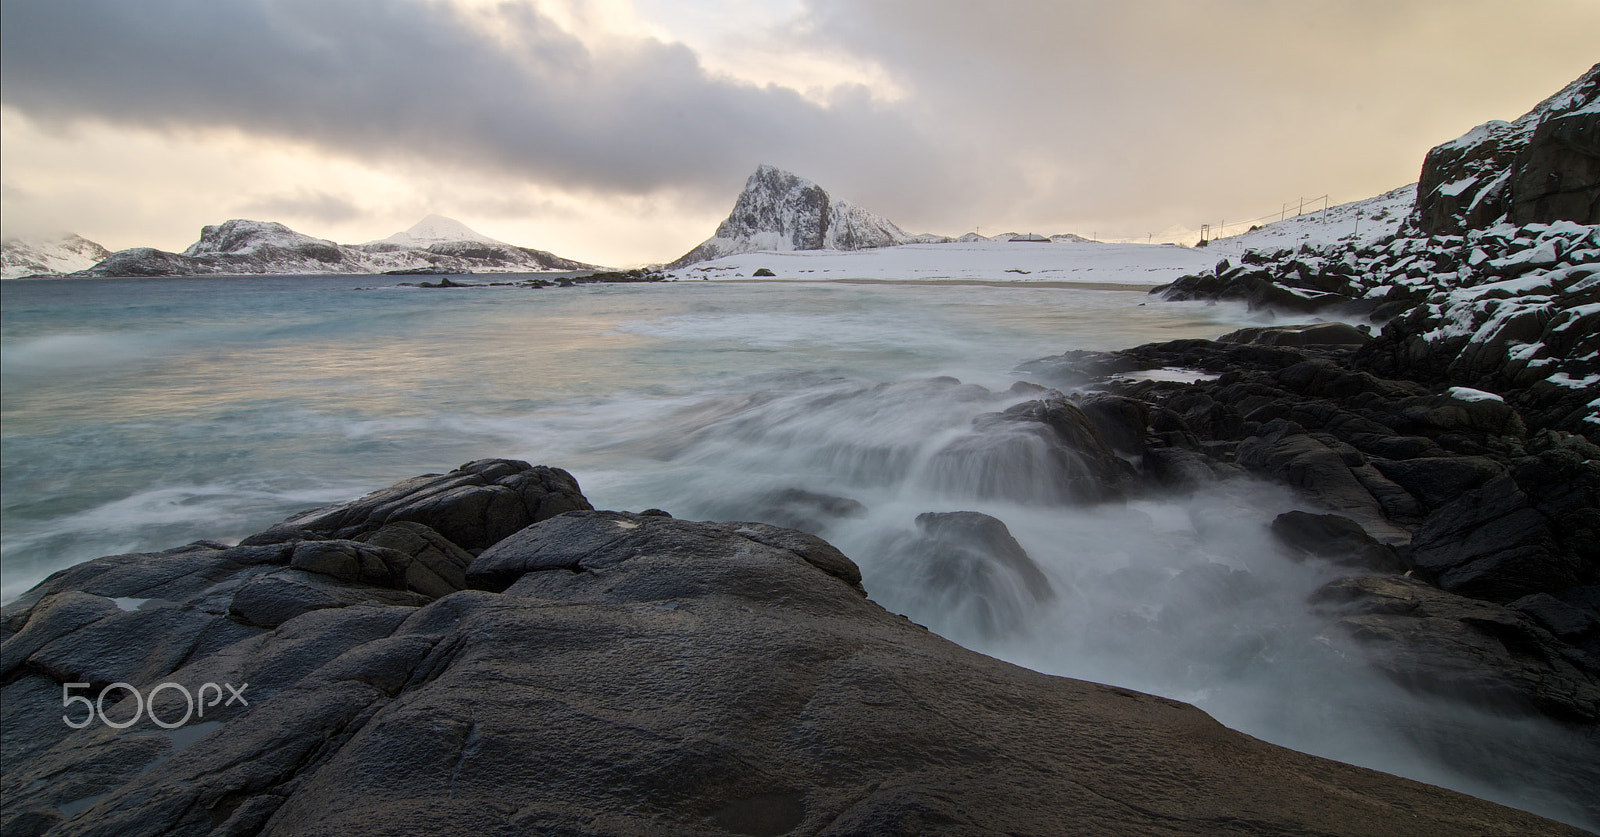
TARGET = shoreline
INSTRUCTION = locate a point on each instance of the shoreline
(986, 283)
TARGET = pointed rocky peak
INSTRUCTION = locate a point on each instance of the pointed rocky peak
(780, 210)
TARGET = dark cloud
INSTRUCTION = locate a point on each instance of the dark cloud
(417, 80)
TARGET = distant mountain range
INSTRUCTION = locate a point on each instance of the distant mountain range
(263, 247)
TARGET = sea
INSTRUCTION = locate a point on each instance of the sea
(142, 414)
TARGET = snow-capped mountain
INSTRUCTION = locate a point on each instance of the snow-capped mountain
(246, 238)
(59, 254)
(434, 229)
(446, 238)
(264, 247)
(781, 211)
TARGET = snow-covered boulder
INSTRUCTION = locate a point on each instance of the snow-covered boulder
(1543, 167)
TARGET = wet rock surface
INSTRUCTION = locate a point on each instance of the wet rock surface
(610, 673)
(1396, 476)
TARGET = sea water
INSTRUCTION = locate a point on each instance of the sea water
(143, 414)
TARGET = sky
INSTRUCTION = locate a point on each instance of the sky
(619, 132)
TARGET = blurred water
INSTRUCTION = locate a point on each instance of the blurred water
(142, 414)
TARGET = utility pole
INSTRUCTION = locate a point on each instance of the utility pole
(1302, 209)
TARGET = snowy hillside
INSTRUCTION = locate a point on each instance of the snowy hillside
(971, 261)
(246, 238)
(779, 211)
(1355, 224)
(64, 253)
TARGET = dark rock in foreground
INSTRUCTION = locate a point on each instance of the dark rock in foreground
(1461, 648)
(634, 674)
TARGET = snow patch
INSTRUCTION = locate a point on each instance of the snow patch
(1565, 380)
(1469, 394)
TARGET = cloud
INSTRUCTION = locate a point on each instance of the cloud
(319, 207)
(420, 81)
(1122, 111)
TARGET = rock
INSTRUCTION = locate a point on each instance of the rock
(1565, 620)
(794, 508)
(1335, 538)
(352, 562)
(1259, 289)
(1491, 543)
(1556, 176)
(1178, 468)
(1317, 334)
(1465, 649)
(816, 551)
(170, 575)
(1284, 452)
(1543, 167)
(55, 616)
(590, 542)
(637, 675)
(1437, 480)
(473, 506)
(973, 571)
(1444, 414)
(761, 271)
(271, 599)
(1121, 421)
(1530, 531)
(1046, 450)
(437, 568)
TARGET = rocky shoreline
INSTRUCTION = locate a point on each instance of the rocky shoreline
(480, 650)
